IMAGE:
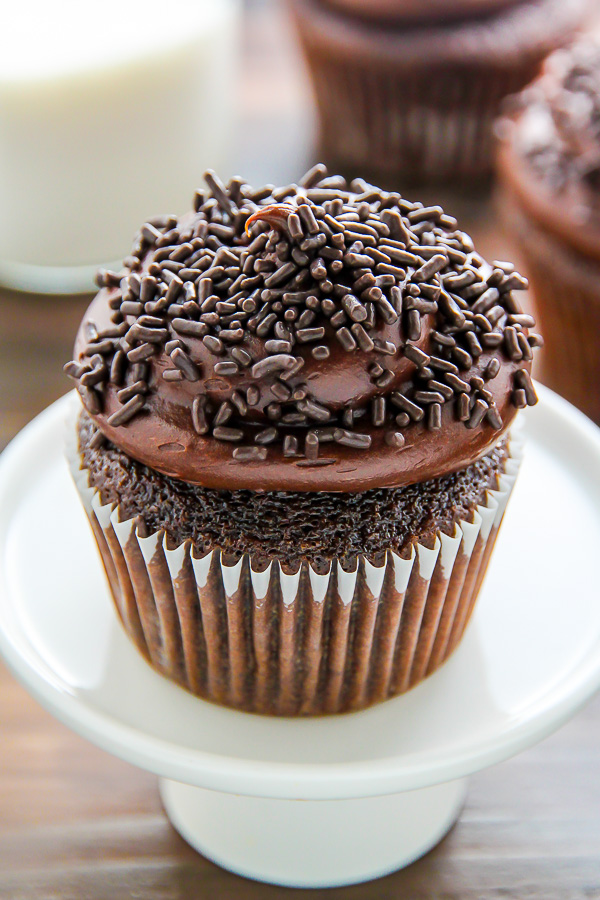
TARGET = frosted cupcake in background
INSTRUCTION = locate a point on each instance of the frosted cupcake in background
(408, 90)
(294, 447)
(549, 168)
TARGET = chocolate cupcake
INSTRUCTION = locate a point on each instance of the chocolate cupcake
(294, 446)
(549, 166)
(409, 90)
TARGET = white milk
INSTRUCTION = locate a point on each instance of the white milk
(110, 110)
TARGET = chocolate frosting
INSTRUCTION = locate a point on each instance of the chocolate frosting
(409, 11)
(405, 357)
(511, 33)
(550, 146)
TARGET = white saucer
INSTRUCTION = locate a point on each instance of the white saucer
(530, 658)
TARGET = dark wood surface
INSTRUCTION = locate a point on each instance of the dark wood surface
(77, 823)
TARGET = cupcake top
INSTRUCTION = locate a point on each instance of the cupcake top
(316, 336)
(408, 11)
(406, 33)
(550, 145)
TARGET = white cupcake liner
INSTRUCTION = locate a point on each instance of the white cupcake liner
(294, 644)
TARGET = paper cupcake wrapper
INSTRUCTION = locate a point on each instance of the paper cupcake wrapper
(420, 122)
(431, 130)
(302, 643)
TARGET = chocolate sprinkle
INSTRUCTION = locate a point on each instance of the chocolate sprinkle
(250, 454)
(127, 411)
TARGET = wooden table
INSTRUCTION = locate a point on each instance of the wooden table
(77, 823)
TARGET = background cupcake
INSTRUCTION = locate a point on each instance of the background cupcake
(549, 163)
(409, 90)
(294, 447)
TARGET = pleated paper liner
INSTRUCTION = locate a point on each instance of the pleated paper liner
(419, 120)
(418, 126)
(300, 643)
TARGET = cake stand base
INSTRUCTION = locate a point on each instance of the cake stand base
(313, 843)
(279, 799)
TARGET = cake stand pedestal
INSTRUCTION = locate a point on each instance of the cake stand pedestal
(313, 843)
(333, 800)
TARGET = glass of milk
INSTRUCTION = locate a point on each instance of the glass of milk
(109, 113)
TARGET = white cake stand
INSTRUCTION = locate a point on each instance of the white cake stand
(380, 787)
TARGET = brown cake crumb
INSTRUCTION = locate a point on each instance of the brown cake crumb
(288, 526)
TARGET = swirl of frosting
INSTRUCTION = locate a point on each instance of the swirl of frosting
(418, 35)
(318, 336)
(408, 11)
